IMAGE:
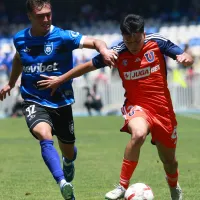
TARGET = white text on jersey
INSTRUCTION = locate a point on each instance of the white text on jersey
(40, 68)
(140, 73)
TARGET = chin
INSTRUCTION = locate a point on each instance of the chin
(46, 29)
(135, 52)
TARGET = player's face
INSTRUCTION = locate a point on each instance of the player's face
(135, 42)
(41, 19)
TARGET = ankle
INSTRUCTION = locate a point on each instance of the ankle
(62, 182)
(124, 185)
(67, 162)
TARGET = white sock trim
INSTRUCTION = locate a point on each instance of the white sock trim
(62, 182)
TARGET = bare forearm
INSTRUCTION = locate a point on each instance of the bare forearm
(16, 70)
(109, 56)
(78, 71)
(100, 46)
(92, 43)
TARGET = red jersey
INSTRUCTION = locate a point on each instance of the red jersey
(144, 75)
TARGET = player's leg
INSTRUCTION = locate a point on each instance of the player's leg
(64, 127)
(40, 125)
(69, 152)
(49, 154)
(138, 127)
(170, 164)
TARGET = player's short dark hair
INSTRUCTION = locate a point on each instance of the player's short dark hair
(30, 4)
(131, 24)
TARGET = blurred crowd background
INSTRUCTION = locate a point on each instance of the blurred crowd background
(177, 20)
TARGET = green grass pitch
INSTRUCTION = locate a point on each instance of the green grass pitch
(24, 176)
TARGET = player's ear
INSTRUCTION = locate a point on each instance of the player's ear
(29, 16)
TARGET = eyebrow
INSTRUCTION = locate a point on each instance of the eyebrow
(40, 14)
(133, 40)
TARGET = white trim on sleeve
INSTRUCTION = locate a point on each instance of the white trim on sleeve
(82, 42)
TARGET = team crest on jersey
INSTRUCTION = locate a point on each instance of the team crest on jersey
(48, 48)
(125, 62)
(149, 56)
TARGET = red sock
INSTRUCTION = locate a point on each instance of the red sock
(127, 170)
(172, 179)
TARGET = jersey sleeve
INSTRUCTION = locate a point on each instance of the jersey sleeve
(98, 61)
(72, 40)
(168, 48)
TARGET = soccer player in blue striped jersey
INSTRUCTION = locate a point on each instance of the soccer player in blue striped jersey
(44, 49)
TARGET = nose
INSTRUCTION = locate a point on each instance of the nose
(45, 18)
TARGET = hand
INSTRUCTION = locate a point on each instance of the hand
(49, 82)
(6, 90)
(109, 57)
(185, 59)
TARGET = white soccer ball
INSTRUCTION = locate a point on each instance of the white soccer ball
(139, 191)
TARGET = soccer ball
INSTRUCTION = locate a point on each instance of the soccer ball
(139, 191)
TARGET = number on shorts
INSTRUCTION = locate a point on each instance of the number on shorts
(174, 134)
(30, 110)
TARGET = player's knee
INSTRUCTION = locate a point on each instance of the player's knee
(138, 137)
(42, 131)
(43, 134)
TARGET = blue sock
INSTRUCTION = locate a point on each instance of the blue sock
(74, 157)
(52, 159)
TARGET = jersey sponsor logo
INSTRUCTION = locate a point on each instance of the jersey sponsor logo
(149, 56)
(48, 48)
(155, 69)
(137, 74)
(140, 73)
(40, 67)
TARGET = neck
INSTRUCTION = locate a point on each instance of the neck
(36, 33)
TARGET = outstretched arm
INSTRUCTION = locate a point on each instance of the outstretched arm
(55, 81)
(109, 57)
(77, 71)
(173, 51)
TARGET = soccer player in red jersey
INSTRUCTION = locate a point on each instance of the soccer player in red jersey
(148, 106)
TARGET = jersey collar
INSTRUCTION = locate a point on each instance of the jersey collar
(51, 29)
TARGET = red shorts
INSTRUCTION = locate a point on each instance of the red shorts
(162, 128)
